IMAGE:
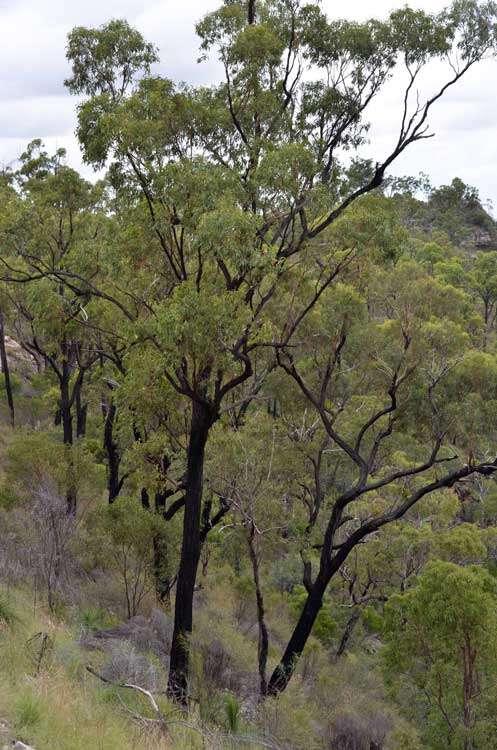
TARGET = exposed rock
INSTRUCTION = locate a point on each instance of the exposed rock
(20, 361)
(479, 240)
(8, 742)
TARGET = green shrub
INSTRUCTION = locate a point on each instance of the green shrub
(232, 708)
(372, 620)
(15, 382)
(8, 497)
(286, 573)
(94, 618)
(27, 711)
(7, 614)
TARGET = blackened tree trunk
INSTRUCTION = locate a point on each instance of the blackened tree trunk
(201, 421)
(81, 408)
(303, 629)
(4, 363)
(144, 498)
(114, 483)
(68, 434)
(66, 404)
(347, 632)
(263, 643)
(71, 495)
(251, 11)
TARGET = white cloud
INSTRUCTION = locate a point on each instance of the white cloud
(34, 103)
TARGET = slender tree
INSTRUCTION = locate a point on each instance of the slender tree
(5, 369)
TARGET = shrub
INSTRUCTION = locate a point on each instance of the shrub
(350, 731)
(8, 497)
(232, 708)
(120, 535)
(93, 619)
(27, 711)
(7, 614)
(286, 574)
(126, 665)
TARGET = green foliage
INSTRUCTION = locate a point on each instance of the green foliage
(232, 708)
(8, 615)
(94, 618)
(373, 620)
(107, 58)
(15, 383)
(201, 326)
(8, 496)
(28, 711)
(438, 636)
(463, 544)
(39, 455)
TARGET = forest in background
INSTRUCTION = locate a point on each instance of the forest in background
(249, 397)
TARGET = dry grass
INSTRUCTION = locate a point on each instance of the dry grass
(62, 707)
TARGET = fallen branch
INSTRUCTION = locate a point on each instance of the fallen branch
(130, 686)
(165, 723)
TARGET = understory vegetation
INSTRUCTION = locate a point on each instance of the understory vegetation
(248, 448)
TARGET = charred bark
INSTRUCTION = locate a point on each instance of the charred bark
(203, 417)
(65, 404)
(263, 642)
(251, 12)
(66, 418)
(114, 483)
(347, 632)
(303, 629)
(4, 363)
(81, 410)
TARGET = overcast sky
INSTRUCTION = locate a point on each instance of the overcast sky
(34, 103)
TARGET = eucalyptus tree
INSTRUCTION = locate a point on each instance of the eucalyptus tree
(50, 219)
(7, 194)
(483, 282)
(406, 401)
(438, 635)
(246, 467)
(235, 182)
